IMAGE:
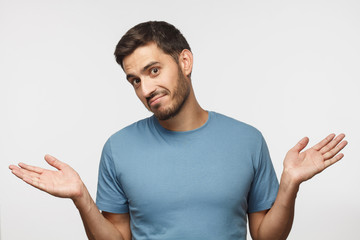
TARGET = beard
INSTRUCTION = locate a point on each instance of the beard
(180, 95)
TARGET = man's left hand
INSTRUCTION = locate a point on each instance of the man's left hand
(302, 166)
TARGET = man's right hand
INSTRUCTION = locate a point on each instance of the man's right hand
(64, 182)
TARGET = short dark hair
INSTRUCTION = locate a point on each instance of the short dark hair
(167, 37)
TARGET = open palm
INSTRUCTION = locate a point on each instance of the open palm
(64, 182)
(304, 165)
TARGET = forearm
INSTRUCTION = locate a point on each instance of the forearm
(278, 221)
(298, 167)
(96, 225)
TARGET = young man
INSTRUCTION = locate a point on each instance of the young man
(184, 173)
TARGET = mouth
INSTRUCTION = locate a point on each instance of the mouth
(155, 100)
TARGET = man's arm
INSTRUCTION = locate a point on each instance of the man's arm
(66, 183)
(121, 222)
(299, 166)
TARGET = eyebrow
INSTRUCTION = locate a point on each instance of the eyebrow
(148, 66)
(128, 76)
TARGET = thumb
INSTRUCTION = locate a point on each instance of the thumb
(54, 162)
(301, 144)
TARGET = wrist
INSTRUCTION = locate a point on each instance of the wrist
(82, 198)
(289, 183)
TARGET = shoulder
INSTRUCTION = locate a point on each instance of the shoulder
(133, 128)
(128, 139)
(234, 126)
(131, 132)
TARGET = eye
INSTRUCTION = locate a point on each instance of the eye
(154, 71)
(135, 82)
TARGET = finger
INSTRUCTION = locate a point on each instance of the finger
(22, 173)
(16, 171)
(332, 143)
(27, 173)
(301, 144)
(54, 162)
(325, 141)
(13, 167)
(330, 154)
(30, 177)
(333, 160)
(27, 176)
(31, 168)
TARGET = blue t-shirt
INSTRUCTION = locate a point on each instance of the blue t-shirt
(198, 184)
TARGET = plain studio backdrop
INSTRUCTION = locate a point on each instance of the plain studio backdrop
(289, 68)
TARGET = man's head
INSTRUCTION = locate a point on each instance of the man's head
(168, 38)
(157, 61)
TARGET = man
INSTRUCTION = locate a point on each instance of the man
(184, 173)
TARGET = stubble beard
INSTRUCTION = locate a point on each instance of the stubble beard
(180, 95)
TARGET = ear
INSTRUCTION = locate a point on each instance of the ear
(186, 61)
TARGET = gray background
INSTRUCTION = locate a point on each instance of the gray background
(289, 68)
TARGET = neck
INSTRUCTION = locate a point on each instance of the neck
(190, 117)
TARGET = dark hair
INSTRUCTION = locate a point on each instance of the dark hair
(168, 38)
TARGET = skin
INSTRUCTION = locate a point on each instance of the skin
(139, 69)
(154, 83)
(162, 86)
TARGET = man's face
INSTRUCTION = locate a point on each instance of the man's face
(158, 80)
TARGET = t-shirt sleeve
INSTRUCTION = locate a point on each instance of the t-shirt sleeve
(265, 185)
(110, 196)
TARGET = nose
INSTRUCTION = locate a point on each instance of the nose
(147, 87)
